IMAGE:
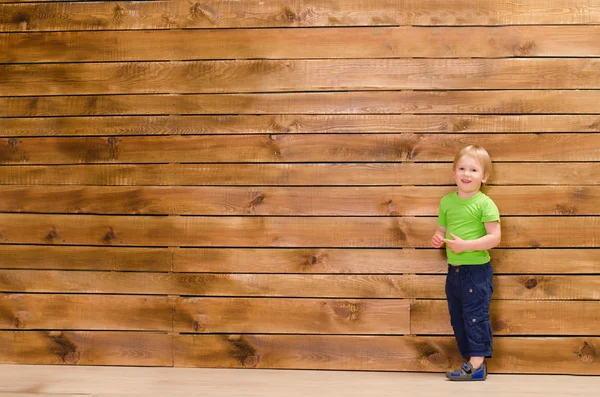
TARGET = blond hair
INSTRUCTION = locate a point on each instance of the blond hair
(479, 154)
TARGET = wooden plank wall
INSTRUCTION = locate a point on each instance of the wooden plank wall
(251, 184)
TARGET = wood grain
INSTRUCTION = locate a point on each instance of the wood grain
(224, 285)
(376, 261)
(278, 201)
(514, 318)
(85, 258)
(180, 14)
(575, 355)
(84, 15)
(246, 184)
(296, 148)
(340, 174)
(85, 312)
(306, 316)
(367, 232)
(385, 102)
(239, 76)
(299, 43)
(86, 348)
(297, 124)
(289, 260)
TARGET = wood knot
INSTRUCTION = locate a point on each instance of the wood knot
(52, 234)
(312, 260)
(564, 210)
(202, 11)
(64, 347)
(71, 357)
(587, 353)
(391, 208)
(14, 143)
(243, 350)
(19, 323)
(251, 361)
(526, 48)
(499, 325)
(287, 15)
(531, 283)
(20, 17)
(257, 200)
(436, 358)
(118, 13)
(347, 310)
(110, 236)
(197, 326)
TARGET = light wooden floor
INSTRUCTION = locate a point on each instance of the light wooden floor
(67, 381)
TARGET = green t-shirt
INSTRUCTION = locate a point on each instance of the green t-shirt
(466, 219)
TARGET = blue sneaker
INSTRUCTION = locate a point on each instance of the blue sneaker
(467, 373)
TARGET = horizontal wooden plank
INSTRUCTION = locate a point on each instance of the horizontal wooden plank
(312, 43)
(289, 260)
(296, 148)
(238, 76)
(298, 124)
(231, 14)
(515, 318)
(383, 353)
(277, 201)
(86, 348)
(85, 258)
(85, 15)
(95, 282)
(366, 102)
(334, 232)
(86, 312)
(54, 281)
(322, 261)
(542, 287)
(388, 286)
(374, 174)
(307, 316)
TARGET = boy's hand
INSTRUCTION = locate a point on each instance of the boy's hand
(457, 245)
(437, 241)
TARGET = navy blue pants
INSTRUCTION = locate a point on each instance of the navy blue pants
(469, 292)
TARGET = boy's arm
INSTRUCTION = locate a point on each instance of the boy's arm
(438, 237)
(490, 240)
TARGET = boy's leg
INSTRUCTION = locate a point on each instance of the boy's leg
(455, 308)
(476, 289)
(477, 294)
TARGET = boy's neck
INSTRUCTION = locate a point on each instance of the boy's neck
(468, 195)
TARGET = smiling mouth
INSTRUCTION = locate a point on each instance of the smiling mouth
(465, 181)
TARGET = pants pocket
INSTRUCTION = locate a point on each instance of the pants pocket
(479, 327)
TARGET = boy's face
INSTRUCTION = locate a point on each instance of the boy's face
(468, 176)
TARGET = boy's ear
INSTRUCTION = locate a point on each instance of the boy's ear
(485, 178)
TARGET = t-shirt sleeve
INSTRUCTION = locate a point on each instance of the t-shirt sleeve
(442, 214)
(490, 212)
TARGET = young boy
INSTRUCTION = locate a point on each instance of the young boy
(469, 225)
